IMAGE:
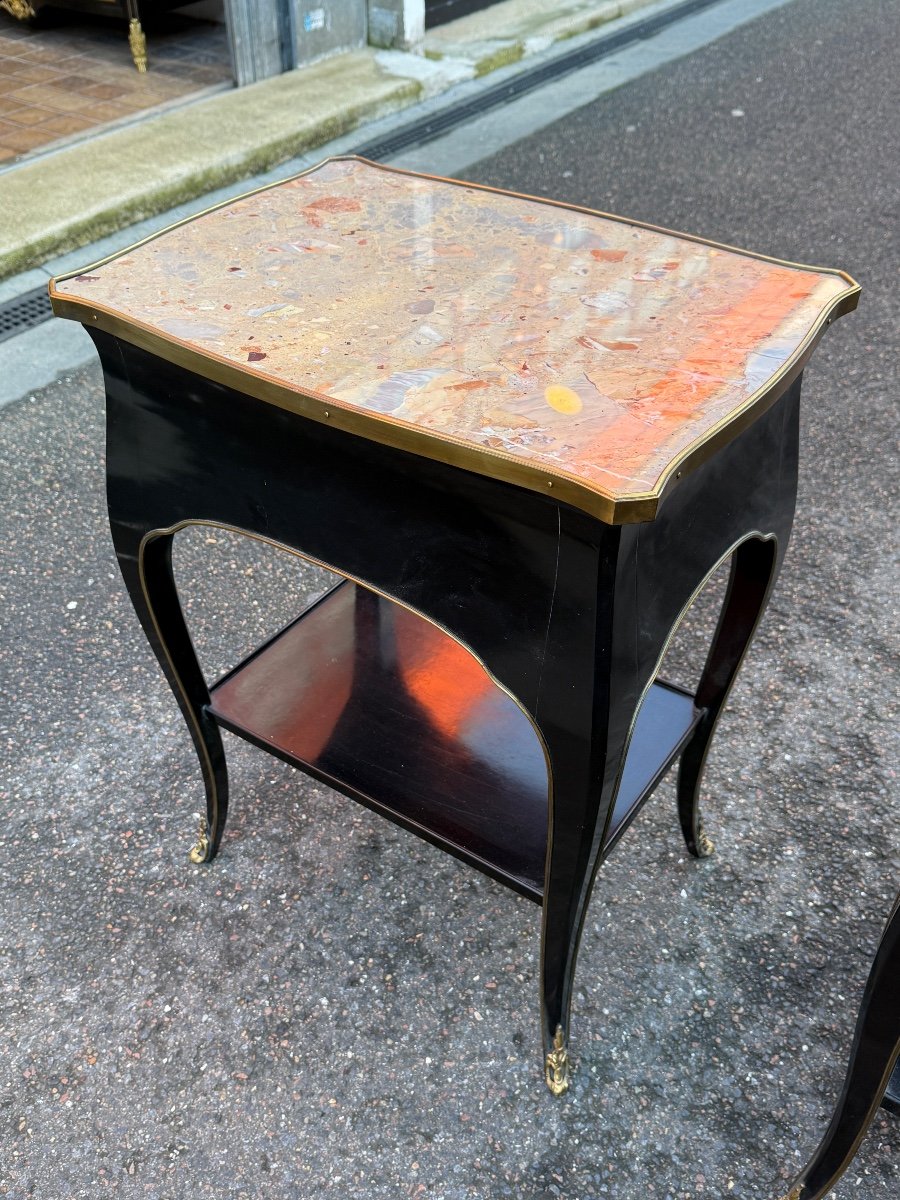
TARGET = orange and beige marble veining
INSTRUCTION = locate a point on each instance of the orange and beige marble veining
(583, 345)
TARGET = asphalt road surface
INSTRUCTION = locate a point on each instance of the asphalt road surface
(335, 1008)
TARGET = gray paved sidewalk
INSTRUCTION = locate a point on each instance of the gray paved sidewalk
(334, 1008)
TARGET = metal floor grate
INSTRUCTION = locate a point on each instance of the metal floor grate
(30, 309)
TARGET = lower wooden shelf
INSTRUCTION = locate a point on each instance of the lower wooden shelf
(385, 707)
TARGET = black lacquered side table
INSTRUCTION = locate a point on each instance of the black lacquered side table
(524, 434)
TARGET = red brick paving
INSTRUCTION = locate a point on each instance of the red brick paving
(77, 75)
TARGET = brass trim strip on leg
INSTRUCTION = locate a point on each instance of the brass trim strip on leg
(866, 1123)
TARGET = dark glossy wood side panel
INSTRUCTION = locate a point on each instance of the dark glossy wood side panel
(385, 707)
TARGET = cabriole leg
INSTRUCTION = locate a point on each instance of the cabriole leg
(569, 870)
(584, 785)
(573, 862)
(147, 569)
(753, 569)
(588, 696)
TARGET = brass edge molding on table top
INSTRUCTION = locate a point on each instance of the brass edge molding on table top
(703, 447)
(317, 407)
(560, 485)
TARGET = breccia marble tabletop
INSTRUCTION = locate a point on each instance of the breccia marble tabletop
(524, 339)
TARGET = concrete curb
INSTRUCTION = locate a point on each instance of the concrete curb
(86, 191)
(527, 28)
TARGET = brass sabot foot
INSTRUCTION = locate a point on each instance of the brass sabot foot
(200, 849)
(20, 9)
(138, 44)
(556, 1067)
(705, 847)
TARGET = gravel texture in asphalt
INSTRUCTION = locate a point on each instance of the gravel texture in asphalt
(334, 1007)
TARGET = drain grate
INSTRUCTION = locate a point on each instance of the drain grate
(426, 130)
(30, 309)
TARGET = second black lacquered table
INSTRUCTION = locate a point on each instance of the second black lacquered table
(525, 434)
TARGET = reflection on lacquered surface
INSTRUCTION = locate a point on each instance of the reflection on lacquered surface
(374, 699)
(583, 345)
(367, 693)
